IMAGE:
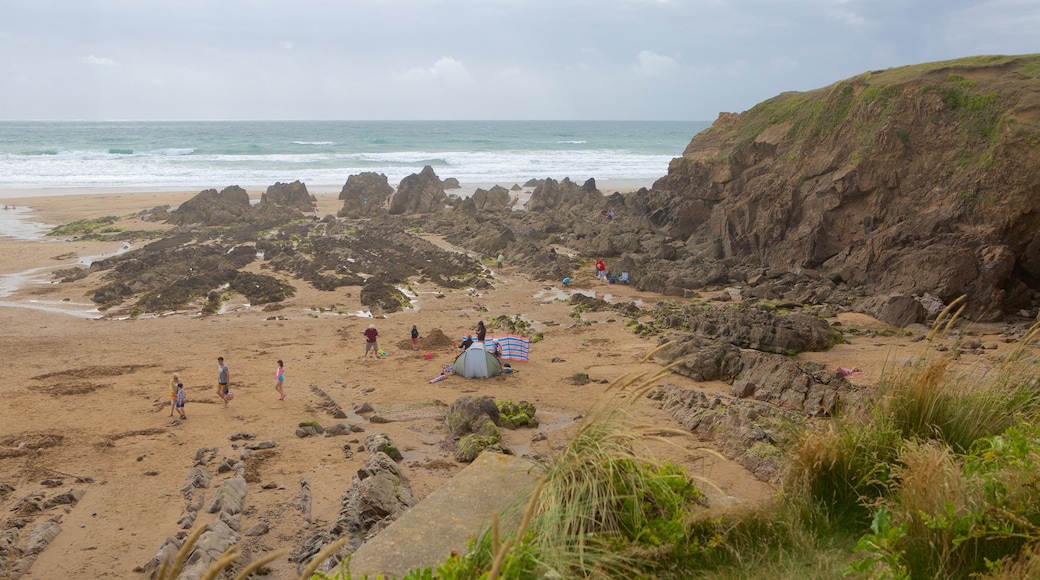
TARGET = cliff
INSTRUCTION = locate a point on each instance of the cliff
(922, 180)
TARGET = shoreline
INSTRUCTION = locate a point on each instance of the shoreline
(23, 195)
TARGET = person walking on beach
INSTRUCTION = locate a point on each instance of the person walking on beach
(415, 338)
(371, 344)
(501, 258)
(182, 399)
(279, 378)
(601, 270)
(481, 331)
(173, 392)
(223, 381)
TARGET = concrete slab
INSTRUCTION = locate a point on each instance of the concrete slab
(446, 519)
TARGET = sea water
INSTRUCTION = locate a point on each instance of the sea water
(39, 157)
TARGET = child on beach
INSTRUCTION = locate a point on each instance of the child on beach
(415, 338)
(223, 381)
(182, 398)
(279, 378)
(173, 392)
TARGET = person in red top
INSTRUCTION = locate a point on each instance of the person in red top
(371, 344)
(601, 270)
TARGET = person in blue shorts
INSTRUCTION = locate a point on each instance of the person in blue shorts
(279, 378)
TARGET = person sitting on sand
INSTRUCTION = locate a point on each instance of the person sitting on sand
(468, 342)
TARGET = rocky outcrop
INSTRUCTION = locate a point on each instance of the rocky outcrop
(210, 208)
(908, 180)
(364, 194)
(766, 377)
(473, 427)
(495, 199)
(419, 193)
(564, 195)
(753, 328)
(745, 431)
(380, 494)
(293, 195)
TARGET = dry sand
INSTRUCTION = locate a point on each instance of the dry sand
(95, 393)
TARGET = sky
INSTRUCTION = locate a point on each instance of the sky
(468, 59)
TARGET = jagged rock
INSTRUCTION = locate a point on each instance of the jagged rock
(187, 520)
(418, 193)
(495, 199)
(702, 359)
(473, 427)
(242, 435)
(380, 493)
(381, 443)
(743, 430)
(752, 327)
(291, 195)
(9, 551)
(217, 538)
(383, 296)
(468, 414)
(783, 382)
(230, 496)
(42, 535)
(773, 378)
(895, 309)
(328, 404)
(343, 429)
(866, 195)
(564, 195)
(198, 477)
(268, 444)
(213, 209)
(204, 455)
(364, 194)
(69, 497)
(165, 553)
(258, 529)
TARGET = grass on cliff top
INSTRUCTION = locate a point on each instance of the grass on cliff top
(822, 111)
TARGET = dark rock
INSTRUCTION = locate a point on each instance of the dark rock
(364, 194)
(213, 209)
(418, 193)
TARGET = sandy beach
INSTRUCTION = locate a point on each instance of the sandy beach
(85, 401)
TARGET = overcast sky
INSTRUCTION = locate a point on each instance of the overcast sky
(468, 59)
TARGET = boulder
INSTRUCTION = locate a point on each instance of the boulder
(381, 443)
(364, 194)
(895, 309)
(210, 208)
(419, 193)
(291, 195)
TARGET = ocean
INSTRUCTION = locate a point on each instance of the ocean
(49, 157)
